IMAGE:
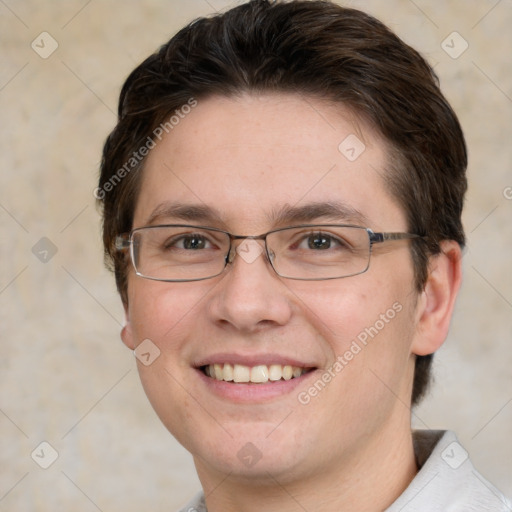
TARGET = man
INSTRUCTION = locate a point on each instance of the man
(282, 199)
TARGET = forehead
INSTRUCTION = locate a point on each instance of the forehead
(244, 158)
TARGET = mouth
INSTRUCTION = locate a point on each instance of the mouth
(258, 374)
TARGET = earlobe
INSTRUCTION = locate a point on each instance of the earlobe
(437, 300)
(126, 332)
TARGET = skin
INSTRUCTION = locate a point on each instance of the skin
(247, 157)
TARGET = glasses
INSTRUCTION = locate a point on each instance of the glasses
(181, 252)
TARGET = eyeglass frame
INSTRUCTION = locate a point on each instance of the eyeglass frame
(124, 241)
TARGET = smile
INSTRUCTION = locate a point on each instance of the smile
(259, 374)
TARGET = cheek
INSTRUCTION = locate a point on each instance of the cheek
(358, 307)
(367, 326)
(163, 312)
(368, 339)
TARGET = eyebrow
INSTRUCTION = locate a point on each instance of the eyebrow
(184, 212)
(333, 211)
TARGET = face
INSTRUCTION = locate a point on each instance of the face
(249, 165)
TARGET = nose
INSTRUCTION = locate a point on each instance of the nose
(250, 296)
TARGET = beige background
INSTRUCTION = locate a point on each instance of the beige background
(65, 378)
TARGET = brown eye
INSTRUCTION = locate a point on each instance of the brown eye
(191, 242)
(319, 241)
(194, 242)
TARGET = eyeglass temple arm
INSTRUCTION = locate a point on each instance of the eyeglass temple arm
(376, 238)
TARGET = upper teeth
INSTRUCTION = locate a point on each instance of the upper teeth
(258, 374)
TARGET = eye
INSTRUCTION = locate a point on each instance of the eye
(189, 242)
(320, 242)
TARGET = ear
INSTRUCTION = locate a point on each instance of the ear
(126, 331)
(437, 300)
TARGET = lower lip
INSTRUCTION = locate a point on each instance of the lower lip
(250, 391)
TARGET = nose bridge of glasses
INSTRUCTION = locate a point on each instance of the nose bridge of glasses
(247, 247)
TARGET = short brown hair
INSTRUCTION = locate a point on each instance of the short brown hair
(314, 48)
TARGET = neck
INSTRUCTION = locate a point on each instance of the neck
(369, 480)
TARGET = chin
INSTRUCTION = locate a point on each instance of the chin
(257, 451)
